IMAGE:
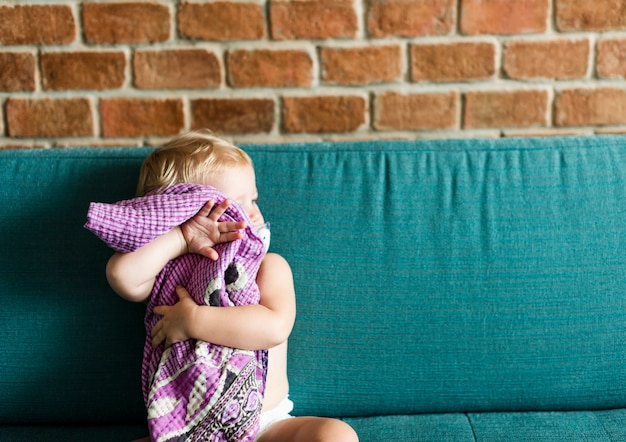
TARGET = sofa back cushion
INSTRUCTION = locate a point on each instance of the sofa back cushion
(72, 348)
(434, 276)
(448, 276)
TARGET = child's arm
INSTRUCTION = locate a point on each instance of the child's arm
(132, 275)
(248, 327)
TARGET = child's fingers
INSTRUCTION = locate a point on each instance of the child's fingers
(160, 310)
(182, 293)
(206, 209)
(230, 236)
(157, 340)
(231, 226)
(219, 210)
(157, 335)
(209, 252)
(156, 329)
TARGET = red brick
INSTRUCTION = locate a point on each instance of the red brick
(17, 71)
(83, 70)
(49, 117)
(176, 69)
(410, 18)
(590, 15)
(270, 68)
(611, 58)
(558, 59)
(396, 111)
(233, 116)
(312, 19)
(361, 65)
(583, 107)
(522, 108)
(221, 21)
(504, 16)
(453, 61)
(125, 22)
(323, 114)
(134, 117)
(36, 24)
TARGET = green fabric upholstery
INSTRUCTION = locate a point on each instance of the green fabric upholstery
(572, 426)
(447, 289)
(72, 432)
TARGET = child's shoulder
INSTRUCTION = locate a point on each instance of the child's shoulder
(275, 275)
(274, 262)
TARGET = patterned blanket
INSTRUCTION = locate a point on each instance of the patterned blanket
(193, 390)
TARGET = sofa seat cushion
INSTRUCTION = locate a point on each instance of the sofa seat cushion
(597, 426)
(68, 432)
(575, 426)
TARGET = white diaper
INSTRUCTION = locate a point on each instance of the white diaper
(279, 413)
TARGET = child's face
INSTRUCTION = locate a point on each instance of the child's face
(239, 184)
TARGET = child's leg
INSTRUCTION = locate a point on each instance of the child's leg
(309, 429)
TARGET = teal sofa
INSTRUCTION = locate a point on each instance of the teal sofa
(457, 290)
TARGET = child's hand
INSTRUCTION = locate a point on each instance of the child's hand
(176, 320)
(204, 231)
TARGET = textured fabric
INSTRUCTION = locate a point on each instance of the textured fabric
(127, 225)
(423, 428)
(193, 390)
(471, 275)
(75, 432)
(591, 426)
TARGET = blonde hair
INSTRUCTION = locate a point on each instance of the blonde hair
(188, 158)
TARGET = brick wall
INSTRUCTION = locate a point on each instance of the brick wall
(129, 73)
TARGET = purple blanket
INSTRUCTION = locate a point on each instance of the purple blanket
(193, 390)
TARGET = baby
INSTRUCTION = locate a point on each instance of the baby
(200, 158)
